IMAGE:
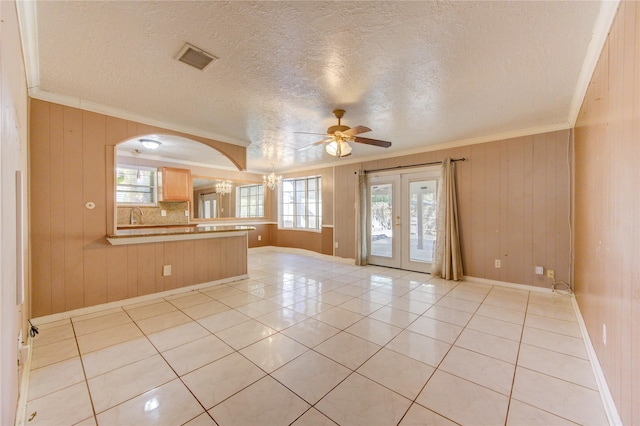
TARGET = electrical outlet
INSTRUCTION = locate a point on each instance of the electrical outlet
(259, 237)
(163, 213)
(336, 244)
(539, 270)
(166, 270)
(604, 334)
(498, 263)
(551, 273)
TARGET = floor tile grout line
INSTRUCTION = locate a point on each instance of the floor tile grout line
(84, 373)
(520, 342)
(515, 370)
(178, 377)
(415, 400)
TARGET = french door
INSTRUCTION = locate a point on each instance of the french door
(402, 219)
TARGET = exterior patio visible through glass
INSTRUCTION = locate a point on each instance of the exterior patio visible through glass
(382, 220)
(422, 217)
(421, 206)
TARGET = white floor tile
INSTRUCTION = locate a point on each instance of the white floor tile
(555, 342)
(273, 352)
(117, 386)
(313, 417)
(524, 414)
(311, 375)
(423, 348)
(113, 357)
(488, 344)
(65, 407)
(462, 401)
(169, 404)
(359, 344)
(191, 356)
(439, 330)
(360, 401)
(55, 377)
(347, 349)
(218, 380)
(420, 416)
(559, 397)
(374, 331)
(480, 369)
(397, 372)
(561, 366)
(266, 402)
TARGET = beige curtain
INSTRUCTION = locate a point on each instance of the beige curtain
(448, 259)
(361, 219)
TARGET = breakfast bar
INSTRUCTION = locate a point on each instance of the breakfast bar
(153, 234)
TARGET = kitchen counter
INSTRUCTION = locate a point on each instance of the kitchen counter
(152, 234)
(155, 225)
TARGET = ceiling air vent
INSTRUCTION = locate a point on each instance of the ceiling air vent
(195, 57)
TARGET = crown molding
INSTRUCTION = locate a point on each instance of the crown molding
(86, 105)
(28, 23)
(438, 147)
(608, 11)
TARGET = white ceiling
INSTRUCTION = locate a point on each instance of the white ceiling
(418, 73)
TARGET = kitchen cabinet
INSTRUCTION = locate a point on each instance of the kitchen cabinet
(175, 184)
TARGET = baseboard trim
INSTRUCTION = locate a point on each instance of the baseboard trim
(525, 287)
(605, 393)
(21, 412)
(119, 303)
(304, 252)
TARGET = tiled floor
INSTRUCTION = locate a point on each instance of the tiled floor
(310, 340)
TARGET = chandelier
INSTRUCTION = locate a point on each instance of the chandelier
(223, 187)
(271, 181)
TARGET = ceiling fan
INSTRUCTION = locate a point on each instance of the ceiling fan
(339, 136)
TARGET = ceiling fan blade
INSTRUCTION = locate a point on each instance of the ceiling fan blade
(356, 130)
(376, 142)
(314, 144)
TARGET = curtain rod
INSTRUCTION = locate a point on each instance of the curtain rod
(413, 165)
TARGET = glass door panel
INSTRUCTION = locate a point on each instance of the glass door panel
(402, 220)
(420, 212)
(384, 217)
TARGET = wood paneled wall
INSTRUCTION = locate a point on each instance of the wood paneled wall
(320, 242)
(263, 230)
(607, 206)
(513, 200)
(73, 266)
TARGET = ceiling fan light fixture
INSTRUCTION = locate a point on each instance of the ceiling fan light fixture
(150, 143)
(338, 149)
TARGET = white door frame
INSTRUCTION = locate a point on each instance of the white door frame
(401, 226)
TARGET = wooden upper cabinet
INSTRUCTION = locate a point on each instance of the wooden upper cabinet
(175, 184)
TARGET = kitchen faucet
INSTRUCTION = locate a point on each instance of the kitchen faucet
(132, 217)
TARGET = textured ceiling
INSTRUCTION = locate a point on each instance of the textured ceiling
(417, 73)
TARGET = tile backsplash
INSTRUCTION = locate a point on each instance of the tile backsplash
(153, 214)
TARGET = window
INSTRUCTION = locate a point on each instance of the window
(136, 185)
(250, 201)
(301, 203)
